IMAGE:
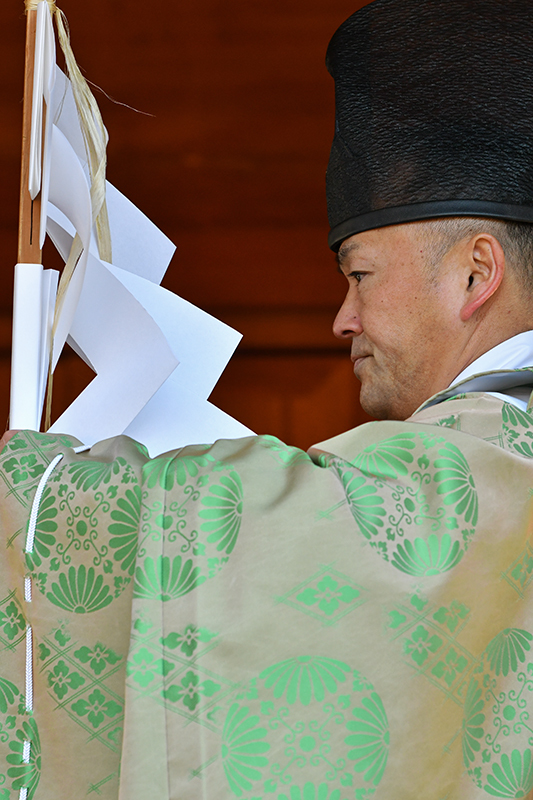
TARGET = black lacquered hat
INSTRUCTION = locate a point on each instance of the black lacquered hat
(434, 113)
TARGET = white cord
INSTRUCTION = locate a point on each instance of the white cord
(26, 748)
(26, 752)
(30, 539)
(29, 668)
(32, 524)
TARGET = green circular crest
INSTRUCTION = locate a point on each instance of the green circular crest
(308, 728)
(497, 734)
(414, 498)
(98, 530)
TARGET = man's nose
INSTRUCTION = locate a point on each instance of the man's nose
(347, 323)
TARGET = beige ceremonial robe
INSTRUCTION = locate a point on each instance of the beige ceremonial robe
(246, 620)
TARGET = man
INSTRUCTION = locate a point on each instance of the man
(245, 620)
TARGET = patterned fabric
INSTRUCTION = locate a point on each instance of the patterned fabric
(249, 621)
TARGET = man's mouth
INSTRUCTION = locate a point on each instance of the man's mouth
(357, 361)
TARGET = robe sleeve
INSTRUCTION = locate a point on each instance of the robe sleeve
(245, 620)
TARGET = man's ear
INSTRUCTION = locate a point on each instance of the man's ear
(484, 269)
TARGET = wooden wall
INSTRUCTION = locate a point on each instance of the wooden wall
(228, 159)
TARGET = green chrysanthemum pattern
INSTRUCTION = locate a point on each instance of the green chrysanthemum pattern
(473, 721)
(456, 483)
(25, 776)
(414, 498)
(17, 727)
(91, 474)
(223, 512)
(508, 650)
(243, 749)
(512, 777)
(165, 579)
(497, 732)
(429, 556)
(307, 728)
(305, 679)
(369, 739)
(115, 529)
(365, 504)
(45, 530)
(388, 459)
(125, 528)
(174, 471)
(81, 590)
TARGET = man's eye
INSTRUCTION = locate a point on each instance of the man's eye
(357, 276)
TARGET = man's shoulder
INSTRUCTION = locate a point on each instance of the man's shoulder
(468, 420)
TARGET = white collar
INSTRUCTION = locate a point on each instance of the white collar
(514, 353)
(495, 373)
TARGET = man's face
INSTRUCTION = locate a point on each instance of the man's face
(401, 318)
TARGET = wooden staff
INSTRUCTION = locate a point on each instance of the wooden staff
(29, 251)
(27, 302)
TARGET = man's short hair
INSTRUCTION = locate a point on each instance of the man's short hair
(516, 239)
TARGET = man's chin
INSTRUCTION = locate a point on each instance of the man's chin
(379, 405)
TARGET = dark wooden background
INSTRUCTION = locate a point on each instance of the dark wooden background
(228, 160)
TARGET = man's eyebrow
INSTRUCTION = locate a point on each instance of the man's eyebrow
(343, 252)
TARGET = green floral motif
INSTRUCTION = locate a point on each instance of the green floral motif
(190, 689)
(472, 722)
(305, 678)
(166, 471)
(144, 667)
(12, 620)
(188, 640)
(310, 792)
(90, 474)
(507, 649)
(125, 529)
(365, 506)
(98, 657)
(8, 692)
(243, 749)
(387, 459)
(16, 443)
(453, 665)
(44, 530)
(23, 468)
(60, 680)
(451, 616)
(421, 644)
(456, 483)
(328, 595)
(369, 739)
(224, 512)
(521, 571)
(164, 579)
(513, 777)
(428, 557)
(25, 775)
(97, 707)
(81, 591)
